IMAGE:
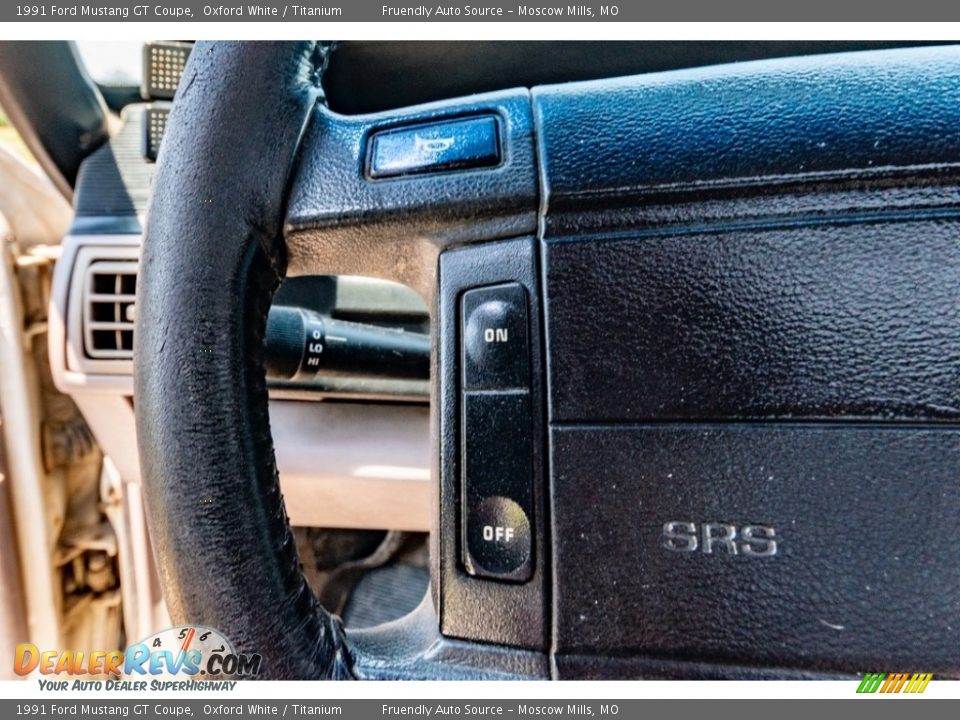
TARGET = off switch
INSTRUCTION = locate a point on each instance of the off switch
(498, 535)
(497, 499)
(495, 340)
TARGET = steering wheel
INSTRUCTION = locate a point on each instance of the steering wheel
(214, 251)
(212, 256)
(256, 180)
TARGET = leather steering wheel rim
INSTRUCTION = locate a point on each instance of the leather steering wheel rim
(213, 253)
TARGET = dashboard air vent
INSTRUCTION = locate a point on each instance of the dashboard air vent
(108, 309)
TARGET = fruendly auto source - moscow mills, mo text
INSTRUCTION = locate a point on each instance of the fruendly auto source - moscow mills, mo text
(520, 11)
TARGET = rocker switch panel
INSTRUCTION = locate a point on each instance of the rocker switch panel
(496, 435)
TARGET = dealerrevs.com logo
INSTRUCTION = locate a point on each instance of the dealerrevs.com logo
(187, 651)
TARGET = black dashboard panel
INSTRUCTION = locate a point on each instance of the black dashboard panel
(113, 185)
(371, 76)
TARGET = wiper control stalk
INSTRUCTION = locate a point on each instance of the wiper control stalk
(302, 343)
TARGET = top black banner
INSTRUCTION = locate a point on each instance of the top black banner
(479, 11)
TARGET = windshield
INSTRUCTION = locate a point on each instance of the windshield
(116, 63)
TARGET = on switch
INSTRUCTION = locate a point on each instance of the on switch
(496, 348)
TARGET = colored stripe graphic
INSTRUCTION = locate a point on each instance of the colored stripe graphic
(914, 683)
(920, 684)
(871, 682)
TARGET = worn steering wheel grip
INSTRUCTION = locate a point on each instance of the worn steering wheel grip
(213, 253)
